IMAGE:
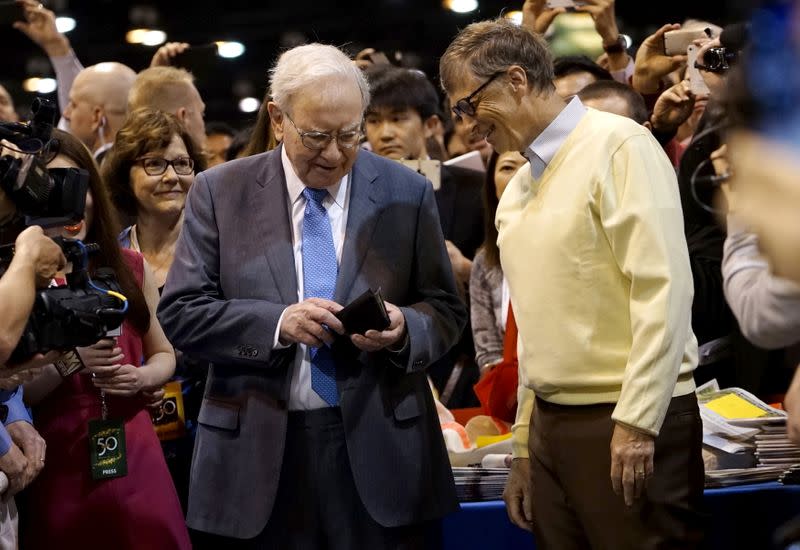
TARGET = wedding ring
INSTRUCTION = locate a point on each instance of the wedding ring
(40, 6)
(639, 474)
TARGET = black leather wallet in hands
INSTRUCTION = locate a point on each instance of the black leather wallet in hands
(367, 312)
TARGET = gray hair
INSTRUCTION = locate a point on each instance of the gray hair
(301, 69)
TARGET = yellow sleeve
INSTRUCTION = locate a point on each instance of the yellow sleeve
(519, 431)
(641, 215)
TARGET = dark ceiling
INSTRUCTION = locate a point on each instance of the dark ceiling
(421, 28)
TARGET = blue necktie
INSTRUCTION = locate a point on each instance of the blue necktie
(319, 281)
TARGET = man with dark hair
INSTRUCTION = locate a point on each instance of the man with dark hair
(219, 137)
(574, 72)
(402, 115)
(591, 242)
(615, 97)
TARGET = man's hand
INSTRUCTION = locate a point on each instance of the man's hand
(306, 322)
(652, 64)
(32, 445)
(40, 27)
(518, 494)
(605, 19)
(42, 251)
(536, 17)
(631, 462)
(15, 466)
(673, 107)
(16, 375)
(373, 341)
(167, 53)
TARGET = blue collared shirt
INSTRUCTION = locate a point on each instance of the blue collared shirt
(546, 145)
(16, 413)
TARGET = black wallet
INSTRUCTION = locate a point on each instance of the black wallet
(367, 312)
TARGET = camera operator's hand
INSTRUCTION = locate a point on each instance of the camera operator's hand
(673, 107)
(46, 256)
(16, 375)
(40, 27)
(536, 17)
(652, 64)
(32, 445)
(126, 381)
(167, 53)
(304, 323)
(102, 358)
(15, 466)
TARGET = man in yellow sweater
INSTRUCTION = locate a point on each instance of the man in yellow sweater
(607, 441)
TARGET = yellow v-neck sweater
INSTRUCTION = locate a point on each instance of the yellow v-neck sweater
(598, 269)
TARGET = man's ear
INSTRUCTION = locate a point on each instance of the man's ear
(518, 79)
(647, 125)
(181, 113)
(98, 118)
(276, 119)
(429, 126)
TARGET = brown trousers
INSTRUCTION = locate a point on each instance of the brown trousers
(574, 505)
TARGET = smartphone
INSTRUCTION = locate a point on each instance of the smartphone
(10, 12)
(553, 4)
(196, 55)
(696, 83)
(676, 42)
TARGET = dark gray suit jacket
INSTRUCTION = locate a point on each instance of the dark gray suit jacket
(231, 279)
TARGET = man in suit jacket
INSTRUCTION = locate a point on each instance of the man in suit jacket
(402, 115)
(308, 438)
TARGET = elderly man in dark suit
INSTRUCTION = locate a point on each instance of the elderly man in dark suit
(309, 438)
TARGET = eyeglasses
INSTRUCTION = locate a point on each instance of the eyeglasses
(716, 60)
(317, 141)
(465, 106)
(154, 166)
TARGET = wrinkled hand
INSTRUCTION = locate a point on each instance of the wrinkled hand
(373, 341)
(167, 53)
(32, 445)
(652, 64)
(791, 403)
(16, 375)
(305, 322)
(40, 27)
(153, 399)
(536, 17)
(631, 462)
(518, 494)
(673, 107)
(46, 256)
(15, 466)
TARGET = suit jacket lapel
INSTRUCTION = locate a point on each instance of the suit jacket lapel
(362, 216)
(274, 226)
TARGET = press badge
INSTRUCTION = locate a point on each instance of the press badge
(107, 454)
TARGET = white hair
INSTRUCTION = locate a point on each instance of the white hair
(302, 68)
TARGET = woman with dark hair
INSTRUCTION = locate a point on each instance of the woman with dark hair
(73, 503)
(487, 288)
(149, 171)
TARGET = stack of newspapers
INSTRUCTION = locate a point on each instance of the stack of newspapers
(479, 484)
(746, 437)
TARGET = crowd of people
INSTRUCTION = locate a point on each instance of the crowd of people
(579, 215)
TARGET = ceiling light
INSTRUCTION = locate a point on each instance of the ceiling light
(514, 16)
(147, 37)
(249, 105)
(461, 6)
(65, 24)
(230, 50)
(39, 85)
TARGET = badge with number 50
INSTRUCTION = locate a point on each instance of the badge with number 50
(107, 456)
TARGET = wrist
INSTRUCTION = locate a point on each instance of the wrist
(57, 47)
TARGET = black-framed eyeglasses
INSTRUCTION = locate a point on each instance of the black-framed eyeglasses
(156, 166)
(317, 141)
(464, 106)
(716, 60)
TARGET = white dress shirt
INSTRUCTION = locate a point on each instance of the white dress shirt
(301, 394)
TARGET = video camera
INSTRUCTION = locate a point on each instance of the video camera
(76, 314)
(47, 197)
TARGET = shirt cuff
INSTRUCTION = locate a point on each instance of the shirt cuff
(16, 408)
(276, 342)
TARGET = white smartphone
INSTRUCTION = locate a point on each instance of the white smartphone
(676, 42)
(696, 83)
(553, 4)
